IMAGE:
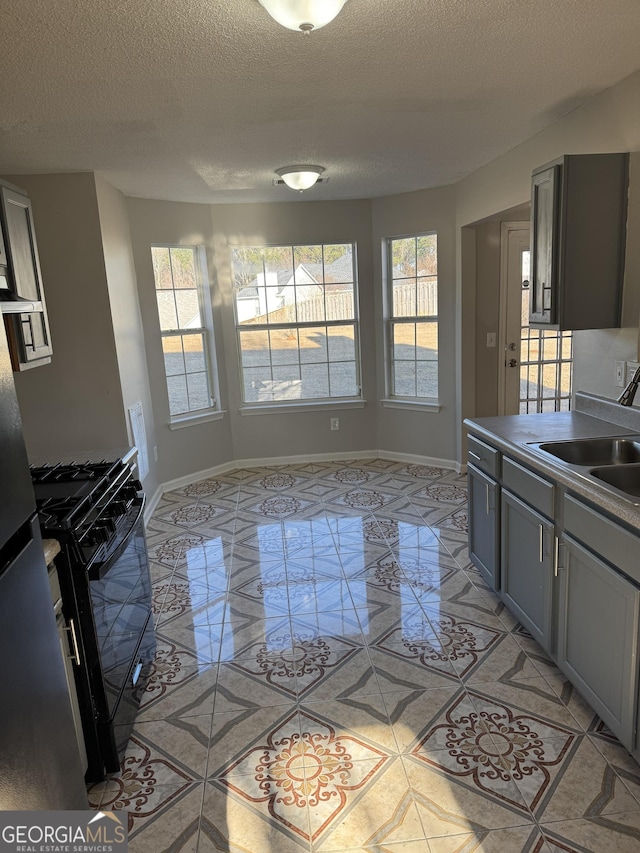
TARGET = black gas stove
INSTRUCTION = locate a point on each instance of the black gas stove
(95, 510)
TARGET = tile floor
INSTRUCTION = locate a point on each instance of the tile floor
(333, 675)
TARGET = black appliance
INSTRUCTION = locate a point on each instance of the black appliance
(95, 511)
(39, 761)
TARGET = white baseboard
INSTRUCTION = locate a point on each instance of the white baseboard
(266, 462)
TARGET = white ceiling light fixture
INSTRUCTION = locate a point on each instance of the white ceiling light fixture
(304, 15)
(300, 177)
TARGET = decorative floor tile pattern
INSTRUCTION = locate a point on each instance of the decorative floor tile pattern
(333, 676)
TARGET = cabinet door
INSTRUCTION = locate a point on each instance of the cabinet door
(484, 529)
(29, 336)
(544, 225)
(598, 637)
(527, 566)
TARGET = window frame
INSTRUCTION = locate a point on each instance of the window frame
(213, 411)
(391, 399)
(301, 404)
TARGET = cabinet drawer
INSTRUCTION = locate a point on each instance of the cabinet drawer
(617, 545)
(536, 491)
(483, 456)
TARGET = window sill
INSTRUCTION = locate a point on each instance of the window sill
(193, 420)
(411, 405)
(307, 406)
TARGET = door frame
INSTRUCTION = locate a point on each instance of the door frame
(505, 229)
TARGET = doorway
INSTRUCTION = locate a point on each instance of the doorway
(536, 372)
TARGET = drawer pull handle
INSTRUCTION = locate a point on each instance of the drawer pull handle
(556, 555)
(475, 456)
(75, 657)
(541, 529)
(487, 488)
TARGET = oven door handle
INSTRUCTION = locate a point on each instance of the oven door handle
(96, 571)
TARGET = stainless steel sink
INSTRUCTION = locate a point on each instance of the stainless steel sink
(595, 452)
(624, 478)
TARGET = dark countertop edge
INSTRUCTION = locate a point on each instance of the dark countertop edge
(512, 434)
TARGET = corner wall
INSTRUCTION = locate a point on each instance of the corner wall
(74, 403)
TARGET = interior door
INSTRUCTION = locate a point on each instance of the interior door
(535, 373)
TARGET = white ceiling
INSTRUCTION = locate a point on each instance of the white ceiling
(201, 100)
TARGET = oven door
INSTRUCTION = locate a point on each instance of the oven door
(120, 590)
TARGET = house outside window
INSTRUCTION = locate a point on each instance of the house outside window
(412, 311)
(185, 326)
(297, 322)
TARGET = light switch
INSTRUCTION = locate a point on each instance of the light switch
(491, 339)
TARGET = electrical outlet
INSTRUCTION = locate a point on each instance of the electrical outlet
(335, 423)
(620, 373)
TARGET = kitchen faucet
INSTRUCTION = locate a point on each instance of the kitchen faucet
(626, 398)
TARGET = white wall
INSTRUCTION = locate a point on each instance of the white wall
(218, 228)
(609, 122)
(420, 432)
(74, 403)
(125, 316)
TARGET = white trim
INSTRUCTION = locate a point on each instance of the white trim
(269, 461)
(505, 229)
(152, 503)
(307, 406)
(414, 459)
(424, 405)
(193, 419)
(170, 485)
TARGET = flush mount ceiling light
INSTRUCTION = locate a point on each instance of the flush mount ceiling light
(304, 15)
(300, 177)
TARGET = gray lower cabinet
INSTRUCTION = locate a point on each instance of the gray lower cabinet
(484, 525)
(527, 566)
(598, 617)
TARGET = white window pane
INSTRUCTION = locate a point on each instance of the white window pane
(342, 379)
(284, 346)
(167, 310)
(256, 381)
(340, 302)
(404, 379)
(254, 348)
(279, 260)
(338, 263)
(403, 257)
(426, 340)
(194, 356)
(286, 373)
(198, 389)
(307, 262)
(309, 303)
(427, 297)
(427, 255)
(178, 397)
(427, 378)
(404, 297)
(173, 356)
(404, 342)
(161, 268)
(313, 344)
(188, 309)
(183, 266)
(315, 380)
(342, 345)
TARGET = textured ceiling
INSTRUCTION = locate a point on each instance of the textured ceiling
(201, 100)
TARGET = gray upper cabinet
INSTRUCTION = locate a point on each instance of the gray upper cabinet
(578, 230)
(28, 334)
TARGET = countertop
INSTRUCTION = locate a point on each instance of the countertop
(513, 434)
